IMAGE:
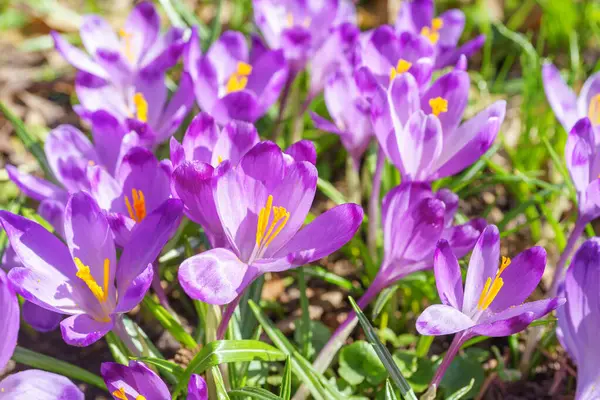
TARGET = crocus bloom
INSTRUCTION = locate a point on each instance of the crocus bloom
(568, 107)
(37, 317)
(578, 319)
(9, 320)
(142, 107)
(83, 278)
(39, 385)
(422, 135)
(138, 382)
(417, 16)
(204, 147)
(413, 219)
(387, 53)
(140, 186)
(351, 114)
(262, 204)
(485, 306)
(233, 83)
(298, 27)
(139, 49)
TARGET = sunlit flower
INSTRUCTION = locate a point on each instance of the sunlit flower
(39, 385)
(9, 320)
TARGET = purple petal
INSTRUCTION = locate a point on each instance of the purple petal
(447, 276)
(197, 389)
(97, 33)
(452, 55)
(9, 320)
(165, 53)
(37, 188)
(69, 153)
(470, 141)
(180, 104)
(428, 217)
(215, 276)
(297, 43)
(147, 240)
(241, 105)
(420, 144)
(135, 292)
(462, 238)
(200, 138)
(82, 330)
(108, 135)
(151, 84)
(403, 99)
(450, 200)
(325, 235)
(482, 265)
(269, 74)
(39, 318)
(442, 320)
(45, 259)
(136, 380)
(452, 28)
(39, 385)
(143, 24)
(225, 53)
(206, 83)
(561, 98)
(579, 153)
(454, 88)
(116, 66)
(590, 89)
(520, 278)
(414, 15)
(303, 150)
(97, 94)
(236, 139)
(105, 189)
(76, 57)
(517, 318)
(176, 152)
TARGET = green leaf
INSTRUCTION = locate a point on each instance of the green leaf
(418, 371)
(462, 370)
(389, 391)
(31, 144)
(285, 392)
(359, 362)
(117, 348)
(163, 365)
(383, 298)
(319, 335)
(253, 393)
(168, 322)
(330, 191)
(227, 351)
(51, 364)
(383, 354)
(460, 393)
(219, 384)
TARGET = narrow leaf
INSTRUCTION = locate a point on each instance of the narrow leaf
(461, 392)
(163, 365)
(253, 393)
(389, 391)
(168, 322)
(286, 381)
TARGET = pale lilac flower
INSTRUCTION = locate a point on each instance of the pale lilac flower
(38, 385)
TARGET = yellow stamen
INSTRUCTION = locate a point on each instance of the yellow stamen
(594, 110)
(306, 22)
(438, 105)
(91, 163)
(84, 273)
(281, 216)
(243, 69)
(137, 212)
(401, 67)
(239, 79)
(219, 159)
(289, 19)
(433, 33)
(140, 397)
(127, 44)
(437, 24)
(120, 394)
(488, 294)
(141, 107)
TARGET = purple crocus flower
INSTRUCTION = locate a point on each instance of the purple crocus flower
(350, 111)
(9, 320)
(485, 306)
(233, 83)
(37, 317)
(297, 27)
(139, 50)
(83, 278)
(413, 219)
(262, 204)
(203, 149)
(39, 385)
(143, 107)
(578, 319)
(137, 381)
(422, 135)
(568, 107)
(417, 16)
(140, 186)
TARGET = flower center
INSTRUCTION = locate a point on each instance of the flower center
(141, 107)
(594, 110)
(100, 293)
(239, 79)
(433, 33)
(137, 212)
(120, 394)
(491, 289)
(264, 235)
(401, 67)
(438, 105)
(289, 20)
(127, 38)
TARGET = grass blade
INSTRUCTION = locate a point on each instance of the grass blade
(383, 354)
(389, 391)
(163, 366)
(253, 393)
(168, 322)
(286, 382)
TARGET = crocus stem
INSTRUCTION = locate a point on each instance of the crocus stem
(374, 204)
(353, 180)
(339, 337)
(227, 314)
(158, 289)
(459, 339)
(121, 331)
(562, 261)
(283, 105)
